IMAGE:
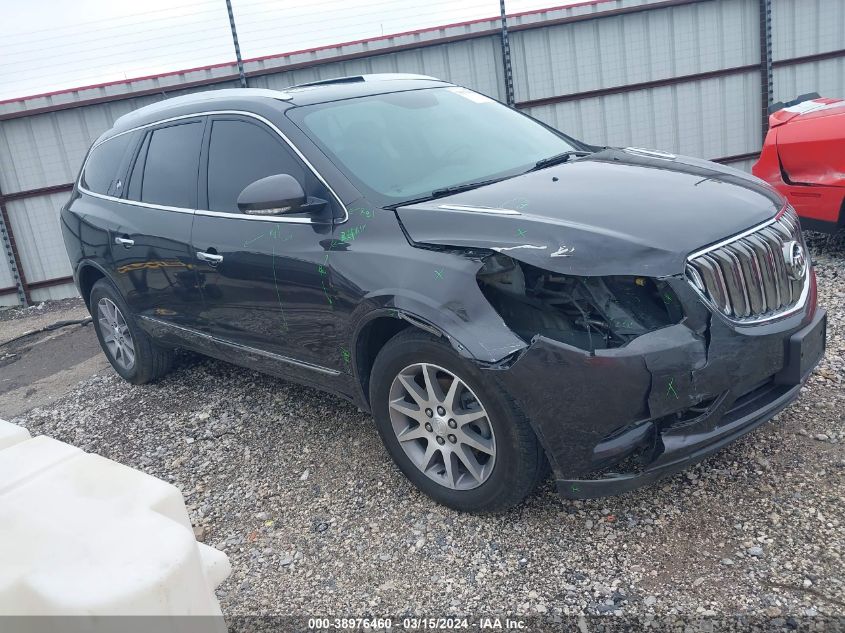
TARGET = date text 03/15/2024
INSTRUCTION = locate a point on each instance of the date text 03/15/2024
(415, 623)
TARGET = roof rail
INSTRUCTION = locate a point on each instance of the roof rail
(206, 95)
(336, 80)
(351, 79)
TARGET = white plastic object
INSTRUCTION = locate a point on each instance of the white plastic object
(83, 535)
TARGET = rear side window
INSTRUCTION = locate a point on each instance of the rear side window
(100, 171)
(136, 175)
(240, 153)
(171, 165)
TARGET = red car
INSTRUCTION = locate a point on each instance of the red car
(804, 158)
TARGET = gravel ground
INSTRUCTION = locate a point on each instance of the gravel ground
(43, 307)
(17, 321)
(296, 488)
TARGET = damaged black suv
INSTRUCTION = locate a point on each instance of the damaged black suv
(501, 297)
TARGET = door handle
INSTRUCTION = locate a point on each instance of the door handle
(125, 242)
(211, 258)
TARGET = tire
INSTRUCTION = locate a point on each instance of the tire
(149, 362)
(512, 461)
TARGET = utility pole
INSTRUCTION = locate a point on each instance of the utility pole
(235, 41)
(506, 55)
(12, 256)
(766, 76)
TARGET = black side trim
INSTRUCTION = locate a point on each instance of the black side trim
(203, 340)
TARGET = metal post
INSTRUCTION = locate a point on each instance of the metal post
(766, 76)
(241, 73)
(506, 55)
(10, 250)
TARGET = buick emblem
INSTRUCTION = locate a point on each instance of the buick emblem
(795, 260)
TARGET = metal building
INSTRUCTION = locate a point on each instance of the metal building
(689, 76)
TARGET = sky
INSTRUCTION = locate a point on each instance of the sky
(49, 45)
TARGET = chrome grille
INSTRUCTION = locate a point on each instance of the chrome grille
(748, 278)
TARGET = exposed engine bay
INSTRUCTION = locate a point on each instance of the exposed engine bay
(586, 312)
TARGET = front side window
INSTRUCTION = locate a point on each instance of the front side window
(101, 168)
(170, 168)
(239, 153)
(404, 145)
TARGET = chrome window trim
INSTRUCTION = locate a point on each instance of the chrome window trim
(135, 203)
(266, 218)
(799, 305)
(208, 212)
(244, 348)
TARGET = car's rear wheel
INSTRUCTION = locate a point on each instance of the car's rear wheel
(131, 352)
(458, 439)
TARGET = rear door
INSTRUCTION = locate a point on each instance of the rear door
(93, 216)
(269, 289)
(151, 244)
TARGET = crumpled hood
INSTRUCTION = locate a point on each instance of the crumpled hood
(616, 212)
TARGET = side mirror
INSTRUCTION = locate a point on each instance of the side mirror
(274, 195)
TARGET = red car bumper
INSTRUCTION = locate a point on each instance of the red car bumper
(803, 157)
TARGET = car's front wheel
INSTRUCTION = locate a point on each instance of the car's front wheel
(131, 352)
(459, 440)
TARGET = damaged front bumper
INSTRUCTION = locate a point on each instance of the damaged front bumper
(621, 418)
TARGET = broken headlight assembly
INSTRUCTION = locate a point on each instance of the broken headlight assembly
(586, 312)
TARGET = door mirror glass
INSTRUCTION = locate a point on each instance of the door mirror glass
(274, 195)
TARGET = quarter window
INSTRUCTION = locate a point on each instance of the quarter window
(101, 168)
(136, 175)
(240, 153)
(171, 165)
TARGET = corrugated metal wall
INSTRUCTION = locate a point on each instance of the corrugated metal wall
(805, 28)
(35, 224)
(709, 118)
(475, 63)
(680, 75)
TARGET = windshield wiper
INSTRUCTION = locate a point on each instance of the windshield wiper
(557, 159)
(448, 191)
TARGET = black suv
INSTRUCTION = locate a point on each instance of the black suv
(501, 297)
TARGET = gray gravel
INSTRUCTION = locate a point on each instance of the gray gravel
(14, 313)
(296, 488)
(17, 321)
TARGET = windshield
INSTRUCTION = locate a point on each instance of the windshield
(405, 145)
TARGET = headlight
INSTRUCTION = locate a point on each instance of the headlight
(587, 312)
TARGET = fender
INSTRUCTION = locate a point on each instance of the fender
(469, 323)
(436, 287)
(447, 319)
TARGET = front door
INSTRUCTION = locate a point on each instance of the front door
(262, 278)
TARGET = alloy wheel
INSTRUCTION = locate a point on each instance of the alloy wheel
(442, 426)
(116, 334)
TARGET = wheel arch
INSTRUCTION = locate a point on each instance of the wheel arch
(87, 274)
(370, 338)
(483, 339)
(375, 330)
